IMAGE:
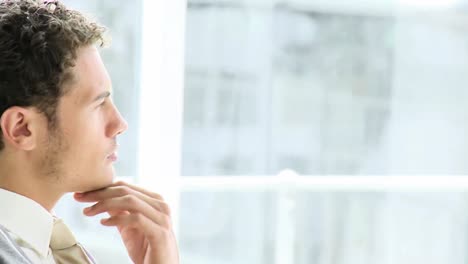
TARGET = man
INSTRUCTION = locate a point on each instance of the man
(58, 135)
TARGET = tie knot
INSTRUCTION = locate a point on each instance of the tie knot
(61, 237)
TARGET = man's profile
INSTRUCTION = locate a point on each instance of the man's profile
(58, 135)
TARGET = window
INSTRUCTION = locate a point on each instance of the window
(296, 117)
(336, 91)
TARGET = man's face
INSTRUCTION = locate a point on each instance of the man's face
(80, 152)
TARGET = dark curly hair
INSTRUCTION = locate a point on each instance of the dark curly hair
(39, 41)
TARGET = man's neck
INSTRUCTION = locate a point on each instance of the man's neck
(24, 181)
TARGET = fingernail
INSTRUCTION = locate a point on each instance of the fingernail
(87, 210)
(79, 194)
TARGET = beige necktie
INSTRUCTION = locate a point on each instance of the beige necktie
(64, 247)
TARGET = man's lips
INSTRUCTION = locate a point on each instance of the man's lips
(112, 157)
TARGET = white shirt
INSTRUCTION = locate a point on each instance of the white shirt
(29, 224)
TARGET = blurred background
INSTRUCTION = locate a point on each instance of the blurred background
(293, 131)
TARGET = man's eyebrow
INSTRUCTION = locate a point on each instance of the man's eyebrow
(101, 96)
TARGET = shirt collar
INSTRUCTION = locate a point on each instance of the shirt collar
(26, 219)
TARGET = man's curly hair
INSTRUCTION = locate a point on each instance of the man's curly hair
(39, 41)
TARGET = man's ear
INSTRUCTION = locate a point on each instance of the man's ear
(19, 127)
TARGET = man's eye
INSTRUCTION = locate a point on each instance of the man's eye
(102, 103)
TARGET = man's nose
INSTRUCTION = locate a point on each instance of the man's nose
(118, 124)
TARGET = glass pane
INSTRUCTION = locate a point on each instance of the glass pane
(330, 227)
(324, 88)
(368, 228)
(227, 227)
(338, 87)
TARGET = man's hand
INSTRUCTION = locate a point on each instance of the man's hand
(142, 218)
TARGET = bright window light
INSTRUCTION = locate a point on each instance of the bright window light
(429, 3)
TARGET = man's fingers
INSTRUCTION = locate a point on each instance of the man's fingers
(121, 191)
(138, 222)
(114, 190)
(139, 189)
(131, 204)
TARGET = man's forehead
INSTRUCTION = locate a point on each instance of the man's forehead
(90, 77)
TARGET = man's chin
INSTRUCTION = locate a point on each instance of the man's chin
(97, 185)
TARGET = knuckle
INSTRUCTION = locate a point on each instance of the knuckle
(130, 199)
(138, 218)
(166, 222)
(120, 183)
(157, 196)
(165, 208)
(165, 233)
(123, 190)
